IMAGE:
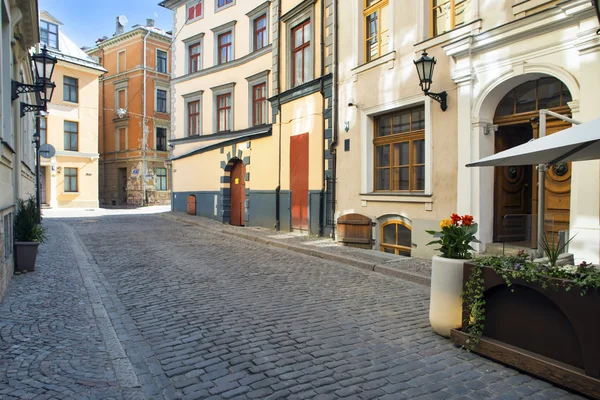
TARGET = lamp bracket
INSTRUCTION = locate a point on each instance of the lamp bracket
(440, 98)
(25, 108)
(17, 88)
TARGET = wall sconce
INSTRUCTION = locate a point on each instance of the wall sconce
(425, 66)
(43, 87)
(351, 102)
(347, 126)
(596, 4)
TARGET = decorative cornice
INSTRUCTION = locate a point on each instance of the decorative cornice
(303, 90)
(299, 9)
(224, 27)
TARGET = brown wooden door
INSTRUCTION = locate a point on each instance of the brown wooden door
(299, 180)
(513, 189)
(43, 185)
(123, 185)
(191, 204)
(354, 230)
(238, 194)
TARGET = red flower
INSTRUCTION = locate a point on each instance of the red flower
(455, 219)
(467, 220)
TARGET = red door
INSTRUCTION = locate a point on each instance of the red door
(299, 180)
(238, 194)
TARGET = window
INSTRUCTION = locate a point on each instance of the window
(400, 151)
(225, 48)
(534, 95)
(43, 133)
(70, 179)
(223, 3)
(395, 238)
(121, 61)
(301, 54)
(224, 112)
(122, 139)
(448, 14)
(161, 139)
(49, 34)
(161, 179)
(194, 10)
(259, 104)
(194, 118)
(161, 100)
(260, 32)
(376, 28)
(194, 51)
(70, 89)
(71, 134)
(121, 103)
(161, 61)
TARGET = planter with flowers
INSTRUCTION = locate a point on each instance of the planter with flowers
(542, 318)
(445, 304)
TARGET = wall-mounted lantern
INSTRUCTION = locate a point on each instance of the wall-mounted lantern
(596, 5)
(43, 87)
(425, 66)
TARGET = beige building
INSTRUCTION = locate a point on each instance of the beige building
(70, 178)
(251, 95)
(499, 62)
(19, 32)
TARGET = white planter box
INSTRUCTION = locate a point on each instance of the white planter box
(445, 304)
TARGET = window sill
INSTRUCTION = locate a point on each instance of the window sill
(190, 21)
(375, 63)
(397, 197)
(453, 34)
(71, 102)
(71, 193)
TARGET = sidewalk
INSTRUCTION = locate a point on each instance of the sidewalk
(407, 268)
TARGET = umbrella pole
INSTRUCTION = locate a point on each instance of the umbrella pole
(541, 189)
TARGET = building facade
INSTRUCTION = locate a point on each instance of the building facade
(70, 178)
(500, 63)
(19, 33)
(251, 91)
(134, 124)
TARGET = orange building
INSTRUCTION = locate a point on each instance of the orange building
(134, 119)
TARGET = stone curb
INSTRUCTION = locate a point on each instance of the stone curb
(364, 265)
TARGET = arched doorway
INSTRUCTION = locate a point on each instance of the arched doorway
(238, 194)
(515, 187)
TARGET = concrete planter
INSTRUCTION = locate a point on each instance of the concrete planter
(25, 255)
(445, 304)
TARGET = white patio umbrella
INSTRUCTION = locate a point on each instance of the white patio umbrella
(579, 143)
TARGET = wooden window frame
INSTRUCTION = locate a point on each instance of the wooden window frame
(262, 101)
(161, 178)
(301, 49)
(257, 32)
(161, 139)
(70, 86)
(193, 117)
(224, 109)
(452, 16)
(405, 137)
(71, 176)
(159, 63)
(71, 133)
(161, 110)
(195, 57)
(227, 46)
(396, 247)
(369, 10)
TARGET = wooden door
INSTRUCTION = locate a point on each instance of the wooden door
(122, 185)
(43, 185)
(354, 230)
(513, 189)
(299, 180)
(557, 208)
(238, 194)
(191, 204)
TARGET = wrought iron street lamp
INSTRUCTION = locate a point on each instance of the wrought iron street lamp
(596, 4)
(425, 66)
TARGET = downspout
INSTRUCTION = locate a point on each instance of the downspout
(144, 131)
(334, 143)
(278, 189)
(103, 152)
(322, 73)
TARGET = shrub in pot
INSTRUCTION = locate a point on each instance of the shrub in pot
(28, 233)
(445, 304)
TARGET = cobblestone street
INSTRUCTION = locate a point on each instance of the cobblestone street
(145, 307)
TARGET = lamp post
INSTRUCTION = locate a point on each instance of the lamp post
(425, 66)
(44, 89)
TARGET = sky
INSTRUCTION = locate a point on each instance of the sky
(87, 20)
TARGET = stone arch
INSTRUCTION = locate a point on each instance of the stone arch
(488, 98)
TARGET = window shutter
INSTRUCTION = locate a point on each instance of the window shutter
(191, 13)
(199, 9)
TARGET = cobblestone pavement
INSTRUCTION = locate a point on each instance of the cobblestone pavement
(200, 315)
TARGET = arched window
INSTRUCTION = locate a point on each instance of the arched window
(396, 238)
(534, 95)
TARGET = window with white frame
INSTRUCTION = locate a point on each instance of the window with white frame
(161, 61)
(161, 100)
(222, 4)
(258, 94)
(224, 43)
(194, 49)
(161, 179)
(223, 101)
(300, 45)
(195, 10)
(49, 34)
(259, 27)
(193, 113)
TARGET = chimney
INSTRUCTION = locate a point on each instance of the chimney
(150, 22)
(120, 28)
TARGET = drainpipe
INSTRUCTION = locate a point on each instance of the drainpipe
(278, 189)
(144, 131)
(334, 143)
(322, 193)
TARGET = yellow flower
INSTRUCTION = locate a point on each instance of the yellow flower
(445, 223)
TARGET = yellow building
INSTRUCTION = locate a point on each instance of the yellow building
(237, 158)
(70, 178)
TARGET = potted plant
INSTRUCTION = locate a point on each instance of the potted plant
(29, 234)
(445, 304)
